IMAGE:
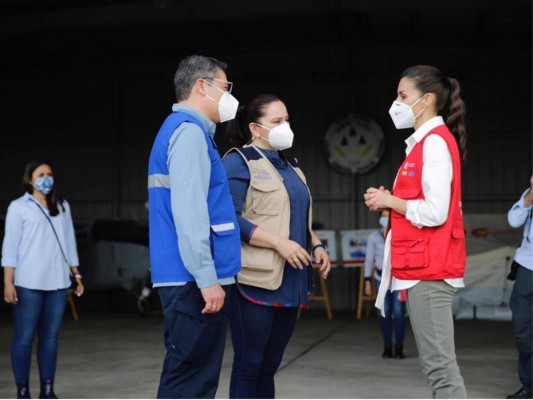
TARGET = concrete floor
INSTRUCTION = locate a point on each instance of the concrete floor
(119, 355)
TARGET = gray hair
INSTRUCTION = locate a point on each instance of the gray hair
(193, 68)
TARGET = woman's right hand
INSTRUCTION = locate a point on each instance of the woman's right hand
(10, 293)
(295, 254)
(376, 199)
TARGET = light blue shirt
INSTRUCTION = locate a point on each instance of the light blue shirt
(189, 168)
(520, 215)
(31, 247)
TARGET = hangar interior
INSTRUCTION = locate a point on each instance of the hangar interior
(86, 85)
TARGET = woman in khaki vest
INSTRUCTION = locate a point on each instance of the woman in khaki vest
(273, 206)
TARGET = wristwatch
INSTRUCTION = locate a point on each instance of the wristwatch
(316, 246)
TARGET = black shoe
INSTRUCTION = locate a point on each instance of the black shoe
(23, 391)
(523, 393)
(47, 390)
(387, 353)
(398, 352)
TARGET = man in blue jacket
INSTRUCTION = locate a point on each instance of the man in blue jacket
(194, 235)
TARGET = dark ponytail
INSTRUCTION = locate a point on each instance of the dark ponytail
(428, 79)
(237, 130)
(456, 117)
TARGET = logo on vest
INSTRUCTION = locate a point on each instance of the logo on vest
(262, 175)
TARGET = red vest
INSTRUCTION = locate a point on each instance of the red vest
(430, 253)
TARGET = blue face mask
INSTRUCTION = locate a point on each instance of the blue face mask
(383, 221)
(44, 184)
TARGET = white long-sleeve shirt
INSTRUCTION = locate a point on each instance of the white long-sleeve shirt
(437, 174)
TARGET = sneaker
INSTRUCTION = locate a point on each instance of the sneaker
(523, 393)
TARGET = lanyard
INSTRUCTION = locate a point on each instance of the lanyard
(529, 225)
(52, 225)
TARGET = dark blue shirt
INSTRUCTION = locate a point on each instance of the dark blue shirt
(296, 283)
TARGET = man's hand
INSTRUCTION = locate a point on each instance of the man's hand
(214, 298)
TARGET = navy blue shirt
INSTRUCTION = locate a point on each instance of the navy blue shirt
(296, 283)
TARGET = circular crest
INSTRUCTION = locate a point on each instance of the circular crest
(354, 143)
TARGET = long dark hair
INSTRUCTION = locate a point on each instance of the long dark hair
(53, 199)
(428, 79)
(237, 130)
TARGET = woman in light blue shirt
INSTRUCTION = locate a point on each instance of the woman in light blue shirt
(38, 255)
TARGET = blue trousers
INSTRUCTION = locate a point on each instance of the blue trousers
(259, 335)
(41, 312)
(393, 306)
(521, 306)
(194, 342)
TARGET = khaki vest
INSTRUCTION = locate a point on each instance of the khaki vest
(267, 205)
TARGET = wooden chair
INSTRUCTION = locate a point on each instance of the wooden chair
(72, 304)
(324, 295)
(364, 301)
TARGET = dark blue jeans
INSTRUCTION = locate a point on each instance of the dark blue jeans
(259, 335)
(393, 306)
(521, 306)
(41, 312)
(194, 342)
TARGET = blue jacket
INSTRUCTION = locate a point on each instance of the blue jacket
(167, 265)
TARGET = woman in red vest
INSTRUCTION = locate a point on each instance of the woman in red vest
(425, 245)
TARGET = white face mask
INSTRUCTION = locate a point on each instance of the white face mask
(280, 137)
(227, 105)
(402, 114)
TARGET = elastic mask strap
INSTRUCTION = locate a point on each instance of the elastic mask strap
(261, 137)
(209, 97)
(415, 103)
